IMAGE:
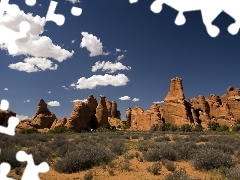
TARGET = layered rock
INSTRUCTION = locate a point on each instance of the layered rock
(114, 111)
(128, 115)
(60, 122)
(109, 108)
(102, 113)
(43, 117)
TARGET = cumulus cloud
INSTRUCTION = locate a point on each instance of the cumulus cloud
(64, 87)
(135, 99)
(27, 100)
(93, 44)
(49, 92)
(109, 66)
(5, 89)
(120, 57)
(84, 100)
(53, 103)
(22, 117)
(34, 65)
(158, 102)
(33, 44)
(124, 98)
(101, 80)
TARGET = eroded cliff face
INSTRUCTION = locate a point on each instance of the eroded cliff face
(102, 113)
(144, 120)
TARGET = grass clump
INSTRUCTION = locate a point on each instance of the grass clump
(232, 173)
(180, 174)
(169, 165)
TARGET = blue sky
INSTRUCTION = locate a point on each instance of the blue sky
(151, 51)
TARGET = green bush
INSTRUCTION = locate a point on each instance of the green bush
(236, 128)
(186, 128)
(28, 131)
(58, 129)
(223, 128)
(169, 165)
(212, 126)
(238, 121)
(198, 128)
(169, 127)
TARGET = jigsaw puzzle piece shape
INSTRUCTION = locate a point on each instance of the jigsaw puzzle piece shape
(4, 105)
(31, 171)
(12, 123)
(59, 19)
(30, 2)
(13, 36)
(4, 170)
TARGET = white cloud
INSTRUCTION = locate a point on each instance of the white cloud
(73, 41)
(100, 80)
(53, 103)
(22, 117)
(109, 66)
(49, 92)
(158, 102)
(119, 50)
(34, 65)
(5, 89)
(26, 100)
(124, 98)
(93, 44)
(135, 99)
(64, 87)
(34, 44)
(120, 57)
(74, 1)
(85, 100)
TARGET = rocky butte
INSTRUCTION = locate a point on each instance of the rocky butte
(179, 110)
(84, 116)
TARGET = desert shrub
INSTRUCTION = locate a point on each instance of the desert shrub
(135, 136)
(58, 129)
(225, 148)
(186, 128)
(155, 168)
(232, 173)
(209, 158)
(155, 127)
(8, 154)
(169, 127)
(236, 128)
(89, 175)
(111, 172)
(126, 125)
(180, 174)
(198, 128)
(28, 131)
(165, 151)
(212, 126)
(238, 121)
(85, 157)
(40, 153)
(169, 165)
(162, 138)
(118, 147)
(128, 156)
(222, 128)
(184, 150)
(125, 165)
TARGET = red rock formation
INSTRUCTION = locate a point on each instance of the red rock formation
(174, 108)
(145, 120)
(114, 109)
(109, 108)
(128, 115)
(102, 113)
(60, 122)
(43, 117)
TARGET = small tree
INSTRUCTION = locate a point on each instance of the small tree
(198, 128)
(186, 128)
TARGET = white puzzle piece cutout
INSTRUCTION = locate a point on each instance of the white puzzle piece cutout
(31, 171)
(4, 105)
(4, 170)
(210, 10)
(12, 124)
